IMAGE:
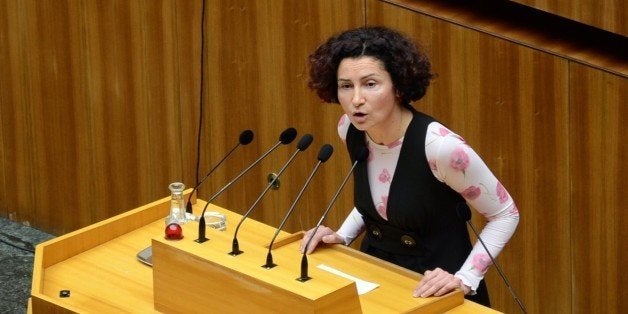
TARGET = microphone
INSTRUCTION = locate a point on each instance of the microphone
(323, 155)
(360, 154)
(286, 137)
(246, 137)
(464, 213)
(303, 144)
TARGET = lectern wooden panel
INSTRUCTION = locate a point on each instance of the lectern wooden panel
(180, 275)
(98, 266)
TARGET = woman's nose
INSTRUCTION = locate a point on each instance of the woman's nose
(357, 99)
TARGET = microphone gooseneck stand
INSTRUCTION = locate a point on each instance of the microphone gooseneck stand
(246, 137)
(286, 137)
(323, 155)
(303, 144)
(359, 155)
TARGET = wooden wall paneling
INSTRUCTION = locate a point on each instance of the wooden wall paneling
(233, 102)
(164, 125)
(172, 56)
(110, 100)
(148, 59)
(257, 79)
(533, 28)
(43, 65)
(15, 114)
(188, 38)
(96, 101)
(301, 27)
(133, 134)
(6, 18)
(61, 118)
(597, 163)
(609, 15)
(510, 103)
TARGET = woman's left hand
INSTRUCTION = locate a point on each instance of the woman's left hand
(438, 282)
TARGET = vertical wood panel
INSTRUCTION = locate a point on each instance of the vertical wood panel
(95, 100)
(57, 115)
(510, 103)
(15, 111)
(187, 37)
(599, 219)
(4, 96)
(257, 79)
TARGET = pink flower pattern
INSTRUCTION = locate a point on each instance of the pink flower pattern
(382, 207)
(501, 192)
(384, 176)
(471, 192)
(395, 144)
(481, 262)
(441, 132)
(342, 120)
(459, 159)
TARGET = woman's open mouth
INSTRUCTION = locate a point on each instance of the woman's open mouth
(359, 117)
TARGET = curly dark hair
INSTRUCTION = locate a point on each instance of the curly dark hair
(409, 68)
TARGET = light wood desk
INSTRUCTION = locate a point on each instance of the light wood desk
(98, 265)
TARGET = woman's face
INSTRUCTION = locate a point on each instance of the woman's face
(366, 93)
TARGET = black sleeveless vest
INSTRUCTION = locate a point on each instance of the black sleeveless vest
(423, 230)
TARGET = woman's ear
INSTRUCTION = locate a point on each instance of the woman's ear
(398, 96)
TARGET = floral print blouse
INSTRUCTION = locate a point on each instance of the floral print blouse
(456, 164)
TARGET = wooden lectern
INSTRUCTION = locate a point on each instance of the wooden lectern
(95, 269)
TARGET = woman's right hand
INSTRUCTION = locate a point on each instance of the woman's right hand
(323, 234)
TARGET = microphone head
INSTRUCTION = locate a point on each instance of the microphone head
(361, 153)
(305, 142)
(325, 152)
(246, 137)
(463, 211)
(288, 135)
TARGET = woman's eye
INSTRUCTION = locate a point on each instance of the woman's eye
(371, 84)
(344, 86)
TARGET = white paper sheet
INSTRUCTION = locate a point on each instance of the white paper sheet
(362, 285)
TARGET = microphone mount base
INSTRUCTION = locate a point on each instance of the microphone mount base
(201, 240)
(235, 252)
(304, 278)
(269, 266)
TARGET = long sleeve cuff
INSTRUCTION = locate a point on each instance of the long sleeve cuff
(352, 227)
(470, 280)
